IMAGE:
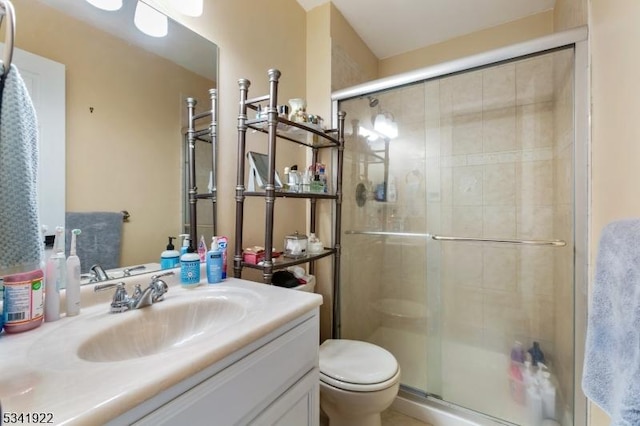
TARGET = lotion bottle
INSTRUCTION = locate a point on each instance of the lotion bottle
(170, 258)
(73, 278)
(55, 278)
(190, 268)
(214, 263)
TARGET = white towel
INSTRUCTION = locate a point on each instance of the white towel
(21, 247)
(611, 375)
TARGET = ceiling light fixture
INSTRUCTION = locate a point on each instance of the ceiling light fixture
(109, 5)
(188, 7)
(150, 21)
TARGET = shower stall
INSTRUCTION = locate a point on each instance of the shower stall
(463, 228)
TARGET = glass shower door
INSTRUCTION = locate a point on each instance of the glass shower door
(484, 155)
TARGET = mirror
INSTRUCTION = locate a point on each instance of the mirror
(125, 115)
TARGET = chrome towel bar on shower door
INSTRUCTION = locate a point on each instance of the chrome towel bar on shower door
(553, 243)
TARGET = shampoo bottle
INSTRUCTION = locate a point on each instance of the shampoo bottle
(170, 258)
(55, 278)
(214, 263)
(548, 394)
(73, 278)
(534, 405)
(190, 268)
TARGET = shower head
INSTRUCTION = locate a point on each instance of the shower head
(373, 102)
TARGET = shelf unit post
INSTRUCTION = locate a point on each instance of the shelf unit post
(335, 325)
(244, 84)
(270, 187)
(213, 134)
(192, 189)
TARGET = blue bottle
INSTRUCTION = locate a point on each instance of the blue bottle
(190, 268)
(214, 263)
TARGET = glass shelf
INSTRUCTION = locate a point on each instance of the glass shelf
(308, 135)
(283, 194)
(282, 262)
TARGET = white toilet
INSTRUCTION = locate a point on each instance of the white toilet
(358, 380)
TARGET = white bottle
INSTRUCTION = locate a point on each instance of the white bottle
(528, 375)
(55, 274)
(186, 241)
(548, 394)
(534, 406)
(73, 278)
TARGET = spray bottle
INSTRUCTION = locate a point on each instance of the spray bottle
(202, 249)
(73, 278)
(55, 278)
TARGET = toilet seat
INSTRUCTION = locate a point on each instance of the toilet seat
(357, 366)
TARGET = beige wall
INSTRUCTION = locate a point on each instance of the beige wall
(109, 150)
(253, 37)
(502, 35)
(614, 147)
(351, 60)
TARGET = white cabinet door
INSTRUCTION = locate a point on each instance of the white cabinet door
(299, 406)
(246, 388)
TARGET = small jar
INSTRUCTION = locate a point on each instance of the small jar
(295, 246)
(315, 245)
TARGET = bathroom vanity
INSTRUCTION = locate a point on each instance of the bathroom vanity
(232, 353)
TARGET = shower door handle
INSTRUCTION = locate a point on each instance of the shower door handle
(553, 243)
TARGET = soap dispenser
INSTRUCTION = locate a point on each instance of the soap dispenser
(190, 268)
(170, 258)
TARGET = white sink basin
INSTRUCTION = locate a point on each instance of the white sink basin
(161, 327)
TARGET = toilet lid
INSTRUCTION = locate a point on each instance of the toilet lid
(356, 362)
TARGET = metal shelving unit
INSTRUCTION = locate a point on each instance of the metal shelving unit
(314, 138)
(205, 133)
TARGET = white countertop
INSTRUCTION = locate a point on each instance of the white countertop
(41, 372)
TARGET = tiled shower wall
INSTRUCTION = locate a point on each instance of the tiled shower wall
(487, 154)
(496, 144)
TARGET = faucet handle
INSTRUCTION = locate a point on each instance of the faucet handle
(158, 286)
(164, 274)
(121, 300)
(127, 271)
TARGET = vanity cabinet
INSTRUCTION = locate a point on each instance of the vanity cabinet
(273, 381)
(279, 128)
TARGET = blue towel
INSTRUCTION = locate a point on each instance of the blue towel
(100, 238)
(21, 246)
(611, 376)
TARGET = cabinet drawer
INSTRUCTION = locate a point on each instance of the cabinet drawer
(247, 387)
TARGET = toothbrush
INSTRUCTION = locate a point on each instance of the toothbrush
(73, 277)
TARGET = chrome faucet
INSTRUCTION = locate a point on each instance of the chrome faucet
(99, 274)
(121, 301)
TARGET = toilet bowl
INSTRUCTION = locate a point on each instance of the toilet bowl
(358, 380)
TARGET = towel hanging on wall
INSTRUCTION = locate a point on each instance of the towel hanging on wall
(20, 236)
(611, 376)
(101, 238)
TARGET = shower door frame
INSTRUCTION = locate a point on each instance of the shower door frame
(577, 39)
